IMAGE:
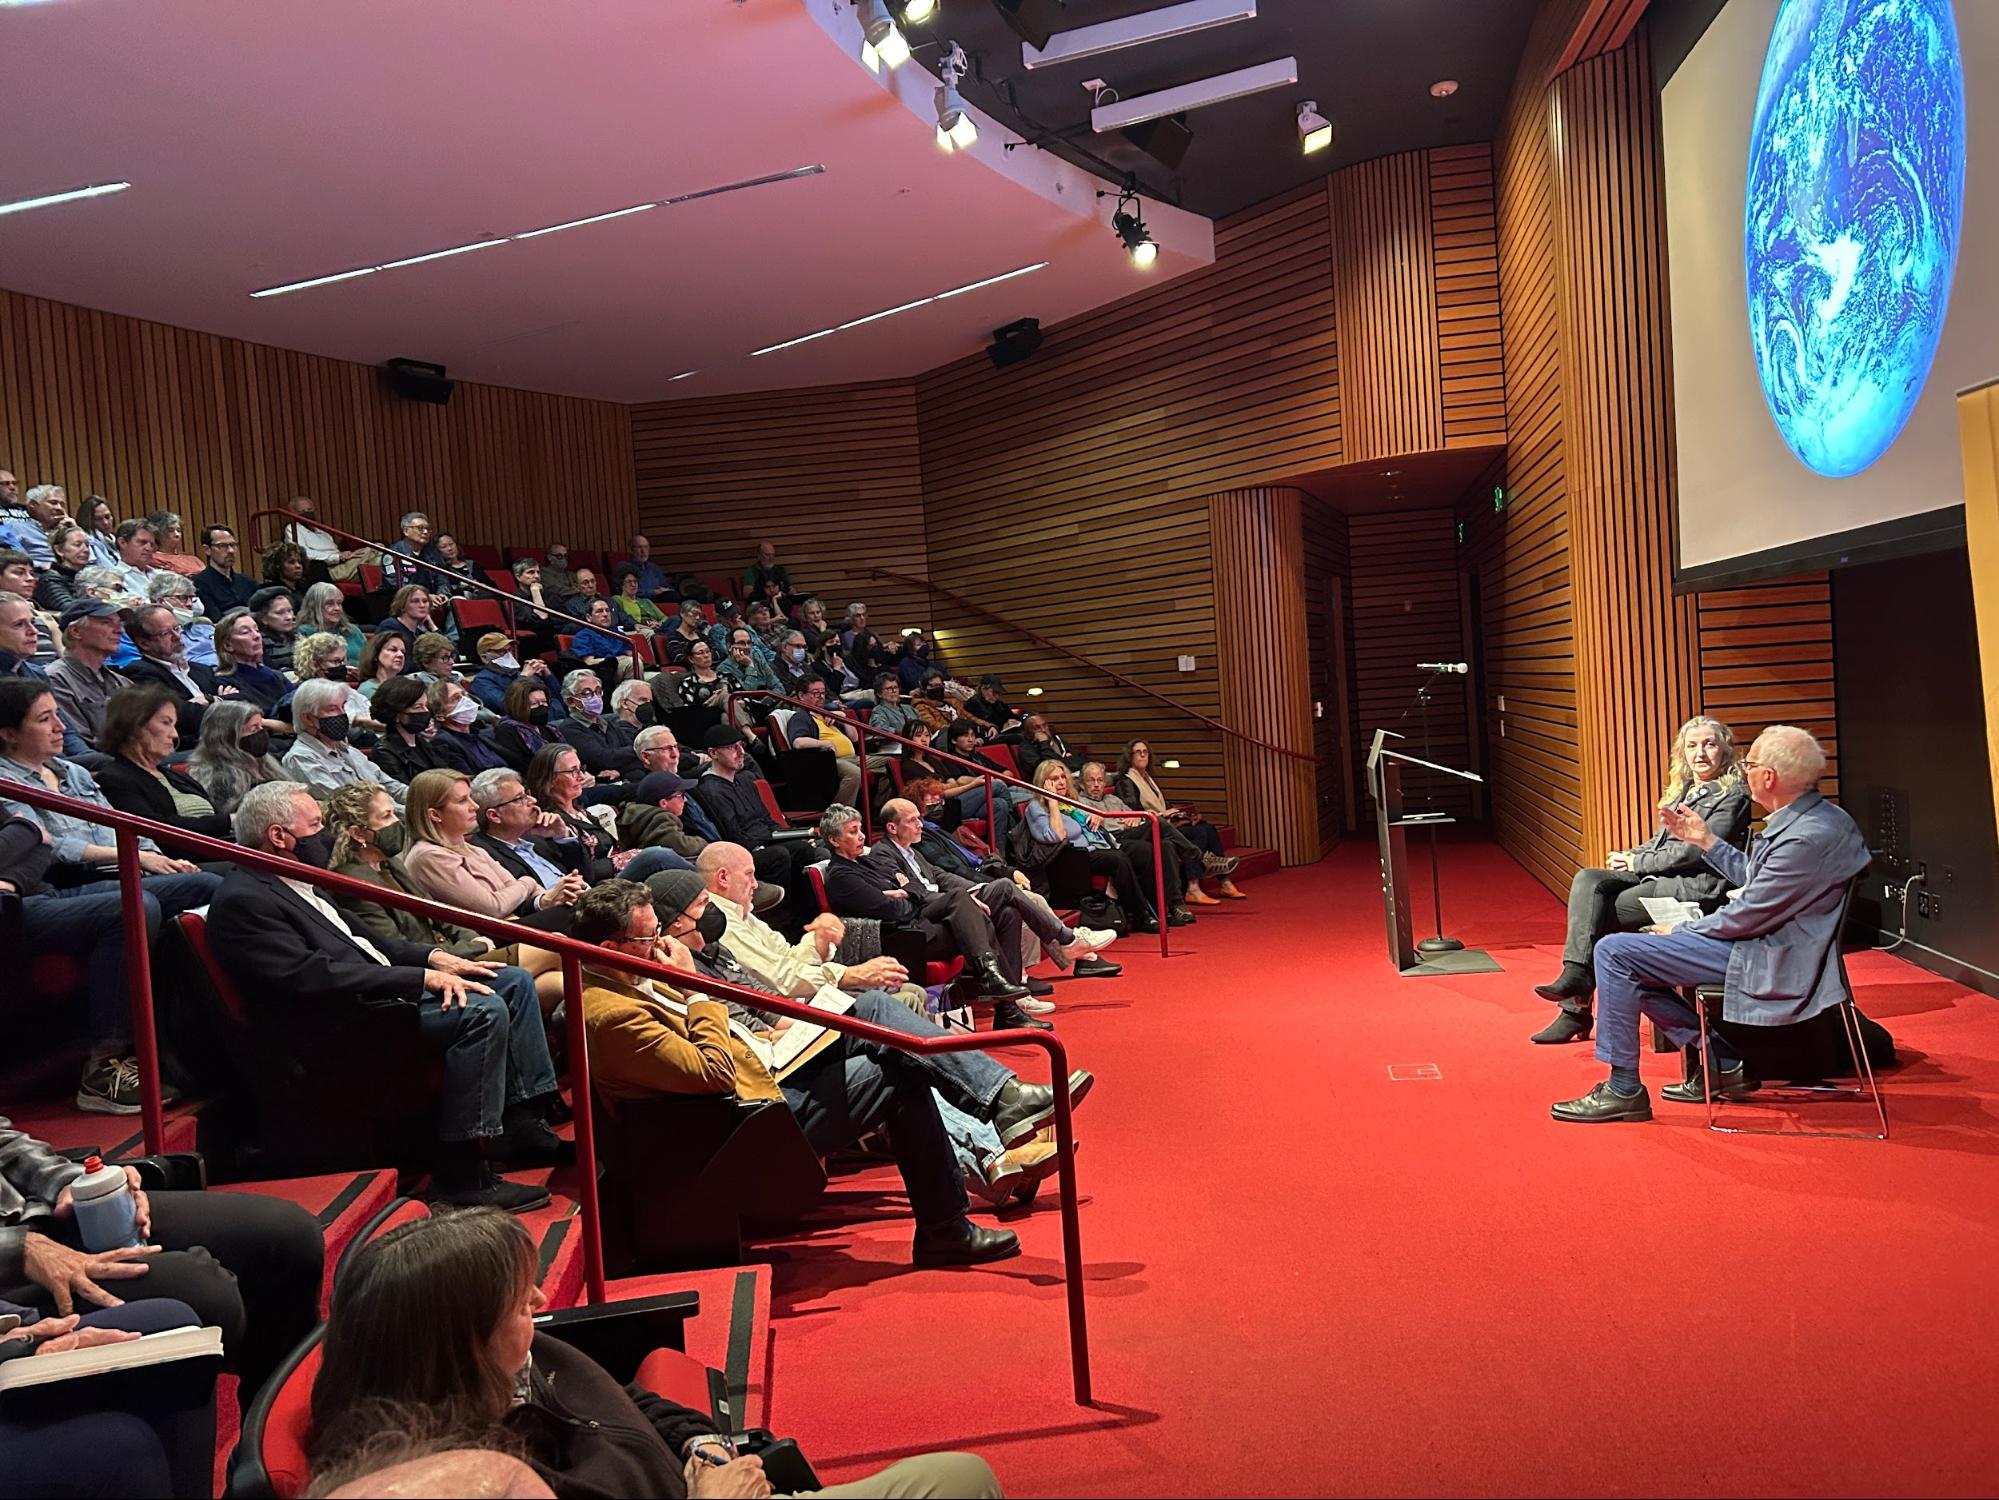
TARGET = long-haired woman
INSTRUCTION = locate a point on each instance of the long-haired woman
(1701, 773)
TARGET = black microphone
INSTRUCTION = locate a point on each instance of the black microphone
(1460, 667)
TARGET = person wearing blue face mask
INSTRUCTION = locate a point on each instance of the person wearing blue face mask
(794, 667)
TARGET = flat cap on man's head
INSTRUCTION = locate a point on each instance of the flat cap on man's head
(724, 734)
(88, 609)
(673, 891)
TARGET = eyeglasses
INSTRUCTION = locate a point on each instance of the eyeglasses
(572, 771)
(515, 801)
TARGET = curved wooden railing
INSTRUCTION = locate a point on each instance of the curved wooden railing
(129, 829)
(937, 590)
(992, 774)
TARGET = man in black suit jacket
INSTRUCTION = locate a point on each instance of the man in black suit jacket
(163, 659)
(945, 910)
(287, 948)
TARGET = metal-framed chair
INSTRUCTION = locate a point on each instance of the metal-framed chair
(1708, 997)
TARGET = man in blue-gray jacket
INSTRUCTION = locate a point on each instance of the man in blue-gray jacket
(1769, 947)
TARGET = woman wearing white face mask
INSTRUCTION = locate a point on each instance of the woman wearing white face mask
(455, 712)
(1701, 772)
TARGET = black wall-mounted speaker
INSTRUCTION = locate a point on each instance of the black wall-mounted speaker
(416, 380)
(1034, 20)
(1014, 342)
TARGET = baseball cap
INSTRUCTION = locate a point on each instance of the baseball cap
(657, 786)
(493, 641)
(88, 609)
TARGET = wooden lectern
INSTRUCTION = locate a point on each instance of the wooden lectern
(1384, 782)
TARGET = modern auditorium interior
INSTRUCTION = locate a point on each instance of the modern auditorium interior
(656, 654)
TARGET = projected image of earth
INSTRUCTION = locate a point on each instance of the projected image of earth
(1850, 228)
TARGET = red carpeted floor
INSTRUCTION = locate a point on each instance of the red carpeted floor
(1307, 1278)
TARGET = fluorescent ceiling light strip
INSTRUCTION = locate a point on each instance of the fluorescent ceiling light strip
(505, 239)
(958, 291)
(1281, 73)
(887, 312)
(681, 376)
(793, 343)
(616, 213)
(73, 195)
(892, 311)
(1132, 31)
(417, 260)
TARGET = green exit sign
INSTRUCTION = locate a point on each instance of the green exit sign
(1499, 497)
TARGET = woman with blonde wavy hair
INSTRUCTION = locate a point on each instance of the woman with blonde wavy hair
(1701, 774)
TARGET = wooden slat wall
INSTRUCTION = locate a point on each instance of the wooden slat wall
(1406, 610)
(1464, 241)
(1384, 278)
(1259, 553)
(1604, 26)
(1329, 575)
(1070, 492)
(1766, 658)
(829, 474)
(1416, 277)
(1522, 552)
(1636, 661)
(161, 418)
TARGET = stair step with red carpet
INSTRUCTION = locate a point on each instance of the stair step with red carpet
(342, 1202)
(115, 1137)
(1255, 862)
(731, 1334)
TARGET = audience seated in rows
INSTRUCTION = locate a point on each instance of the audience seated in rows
(648, 1038)
(1702, 774)
(448, 865)
(141, 730)
(1128, 865)
(1194, 844)
(321, 755)
(68, 871)
(299, 964)
(323, 610)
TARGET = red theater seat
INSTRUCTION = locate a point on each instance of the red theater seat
(934, 973)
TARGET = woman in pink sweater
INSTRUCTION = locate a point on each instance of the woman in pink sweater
(440, 857)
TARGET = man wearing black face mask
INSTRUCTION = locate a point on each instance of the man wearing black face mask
(321, 756)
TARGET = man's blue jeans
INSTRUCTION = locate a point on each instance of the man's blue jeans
(1642, 973)
(971, 1080)
(495, 1054)
(87, 922)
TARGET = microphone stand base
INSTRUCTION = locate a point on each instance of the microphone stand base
(1440, 944)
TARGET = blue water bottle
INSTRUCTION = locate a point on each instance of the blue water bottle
(107, 1215)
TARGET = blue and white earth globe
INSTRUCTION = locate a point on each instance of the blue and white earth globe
(1851, 220)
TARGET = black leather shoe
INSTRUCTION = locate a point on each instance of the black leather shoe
(1021, 1109)
(1603, 1104)
(1576, 982)
(1036, 987)
(1008, 1016)
(1568, 1026)
(1179, 916)
(1096, 968)
(992, 983)
(1729, 1083)
(962, 1243)
(527, 1142)
(1145, 922)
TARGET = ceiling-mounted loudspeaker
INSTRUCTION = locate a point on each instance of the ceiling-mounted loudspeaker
(1014, 342)
(1033, 20)
(417, 380)
(1165, 141)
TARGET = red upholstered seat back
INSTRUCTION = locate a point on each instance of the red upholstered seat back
(280, 1443)
(1003, 755)
(194, 928)
(770, 802)
(817, 874)
(476, 616)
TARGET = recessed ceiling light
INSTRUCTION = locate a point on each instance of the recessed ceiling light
(1034, 692)
(1172, 765)
(889, 312)
(525, 234)
(73, 195)
(1443, 88)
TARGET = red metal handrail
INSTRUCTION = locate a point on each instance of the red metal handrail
(130, 829)
(510, 602)
(1119, 678)
(991, 774)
